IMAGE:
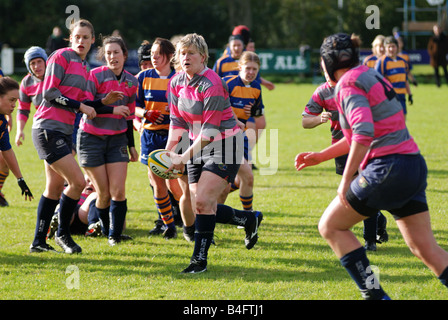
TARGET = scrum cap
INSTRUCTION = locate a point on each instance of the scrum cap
(338, 52)
(33, 53)
(144, 53)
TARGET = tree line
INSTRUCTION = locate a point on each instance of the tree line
(286, 24)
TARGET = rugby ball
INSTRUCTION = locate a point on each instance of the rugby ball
(159, 162)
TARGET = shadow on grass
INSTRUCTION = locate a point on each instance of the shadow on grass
(285, 254)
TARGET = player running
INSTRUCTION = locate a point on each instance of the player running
(320, 109)
(393, 172)
(246, 101)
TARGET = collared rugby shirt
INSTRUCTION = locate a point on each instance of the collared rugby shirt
(201, 106)
(151, 95)
(67, 75)
(101, 81)
(241, 95)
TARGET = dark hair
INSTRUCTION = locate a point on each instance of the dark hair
(340, 51)
(166, 47)
(112, 39)
(7, 84)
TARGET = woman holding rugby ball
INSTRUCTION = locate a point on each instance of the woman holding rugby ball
(199, 105)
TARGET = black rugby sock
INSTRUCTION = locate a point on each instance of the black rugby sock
(358, 266)
(118, 211)
(229, 215)
(444, 277)
(203, 236)
(67, 206)
(45, 211)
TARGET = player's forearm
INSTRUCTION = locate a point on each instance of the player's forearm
(11, 161)
(309, 122)
(356, 155)
(337, 149)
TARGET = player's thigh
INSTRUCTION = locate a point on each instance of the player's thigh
(209, 188)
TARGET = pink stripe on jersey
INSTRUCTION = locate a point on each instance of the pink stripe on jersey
(371, 115)
(101, 81)
(30, 92)
(67, 75)
(201, 105)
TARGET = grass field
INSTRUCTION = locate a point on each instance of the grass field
(290, 262)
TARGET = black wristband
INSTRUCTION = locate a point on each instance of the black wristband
(130, 134)
(95, 103)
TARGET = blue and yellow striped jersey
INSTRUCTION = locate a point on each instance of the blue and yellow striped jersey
(241, 95)
(151, 95)
(226, 66)
(370, 61)
(394, 70)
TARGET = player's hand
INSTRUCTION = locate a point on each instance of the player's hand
(89, 111)
(121, 111)
(342, 191)
(248, 109)
(133, 154)
(307, 159)
(25, 190)
(325, 116)
(20, 136)
(177, 165)
(411, 100)
(112, 97)
(153, 116)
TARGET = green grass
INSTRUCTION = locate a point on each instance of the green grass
(290, 262)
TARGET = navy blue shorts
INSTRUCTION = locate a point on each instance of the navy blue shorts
(226, 165)
(396, 183)
(95, 151)
(340, 164)
(51, 145)
(151, 140)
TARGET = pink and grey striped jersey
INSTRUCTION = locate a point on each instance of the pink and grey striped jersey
(101, 81)
(371, 115)
(30, 92)
(201, 106)
(323, 99)
(67, 75)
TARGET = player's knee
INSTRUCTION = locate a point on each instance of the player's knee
(203, 205)
(248, 179)
(78, 185)
(324, 230)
